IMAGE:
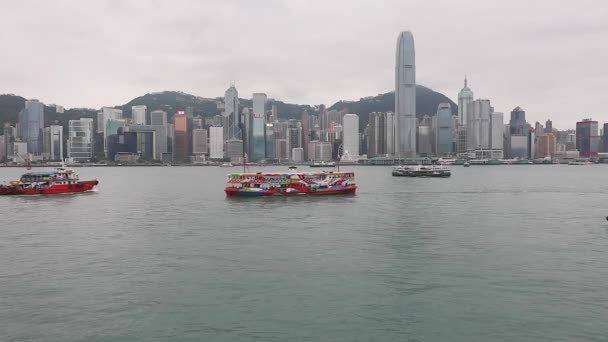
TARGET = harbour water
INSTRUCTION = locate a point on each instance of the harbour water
(509, 253)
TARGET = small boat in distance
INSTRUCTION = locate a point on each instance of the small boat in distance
(292, 167)
(59, 181)
(322, 164)
(580, 162)
(290, 183)
(466, 164)
(439, 171)
(226, 165)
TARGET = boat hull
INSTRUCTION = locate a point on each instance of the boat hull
(81, 186)
(256, 192)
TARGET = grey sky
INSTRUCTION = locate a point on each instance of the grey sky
(549, 57)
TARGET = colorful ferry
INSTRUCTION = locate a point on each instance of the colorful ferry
(60, 180)
(290, 183)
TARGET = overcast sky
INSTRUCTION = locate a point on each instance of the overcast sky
(549, 57)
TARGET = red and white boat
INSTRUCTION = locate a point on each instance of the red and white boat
(59, 181)
(290, 183)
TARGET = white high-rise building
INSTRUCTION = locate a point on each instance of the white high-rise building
(216, 142)
(53, 143)
(139, 114)
(497, 127)
(351, 135)
(80, 140)
(405, 95)
(478, 128)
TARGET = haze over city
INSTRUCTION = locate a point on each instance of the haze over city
(545, 58)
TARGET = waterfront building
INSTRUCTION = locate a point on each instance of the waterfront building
(389, 128)
(306, 132)
(465, 104)
(518, 123)
(497, 127)
(546, 145)
(478, 129)
(297, 154)
(199, 142)
(587, 139)
(405, 95)
(216, 142)
(531, 144)
(295, 135)
(381, 134)
(605, 138)
(180, 140)
(461, 139)
(21, 153)
(258, 143)
(519, 146)
(153, 138)
(112, 126)
(281, 149)
(31, 124)
(231, 113)
(158, 118)
(2, 148)
(234, 150)
(375, 132)
(269, 141)
(53, 143)
(320, 150)
(9, 133)
(246, 124)
(444, 131)
(80, 139)
(138, 114)
(424, 145)
(351, 134)
(102, 121)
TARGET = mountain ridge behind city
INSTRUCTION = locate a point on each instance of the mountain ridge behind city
(427, 101)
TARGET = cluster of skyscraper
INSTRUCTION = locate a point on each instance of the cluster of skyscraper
(257, 134)
(240, 133)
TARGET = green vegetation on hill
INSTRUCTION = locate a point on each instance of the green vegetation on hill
(427, 101)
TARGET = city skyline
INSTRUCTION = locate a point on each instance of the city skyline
(174, 51)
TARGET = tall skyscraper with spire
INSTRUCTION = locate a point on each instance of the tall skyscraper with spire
(405, 95)
(465, 99)
(465, 103)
